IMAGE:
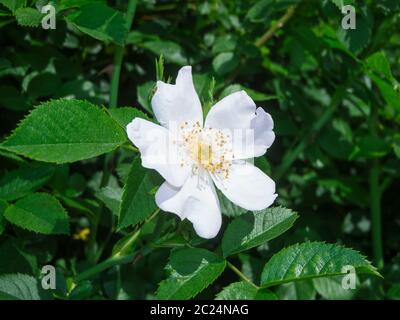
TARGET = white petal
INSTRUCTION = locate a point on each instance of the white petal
(256, 140)
(251, 129)
(179, 102)
(264, 137)
(155, 149)
(171, 199)
(247, 186)
(232, 112)
(196, 201)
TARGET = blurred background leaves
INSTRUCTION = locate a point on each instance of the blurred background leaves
(333, 94)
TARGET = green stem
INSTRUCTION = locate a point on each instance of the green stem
(133, 238)
(110, 262)
(118, 56)
(375, 198)
(119, 52)
(106, 172)
(152, 216)
(119, 257)
(241, 275)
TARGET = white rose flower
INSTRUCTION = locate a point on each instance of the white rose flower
(192, 155)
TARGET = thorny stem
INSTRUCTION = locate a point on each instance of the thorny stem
(265, 37)
(118, 56)
(241, 275)
(278, 25)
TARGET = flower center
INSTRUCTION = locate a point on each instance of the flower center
(206, 148)
(202, 153)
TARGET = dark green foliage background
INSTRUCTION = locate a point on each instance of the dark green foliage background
(332, 93)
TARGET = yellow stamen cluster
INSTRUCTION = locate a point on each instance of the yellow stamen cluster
(207, 148)
(82, 234)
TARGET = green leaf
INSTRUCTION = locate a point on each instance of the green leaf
(237, 291)
(137, 37)
(44, 85)
(312, 260)
(263, 9)
(13, 5)
(371, 147)
(5, 63)
(67, 4)
(65, 131)
(100, 22)
(14, 259)
(394, 292)
(224, 44)
(124, 115)
(82, 291)
(255, 95)
(171, 51)
(21, 287)
(3, 207)
(391, 96)
(388, 6)
(204, 85)
(28, 17)
(260, 11)
(345, 188)
(308, 39)
(12, 99)
(255, 228)
(123, 171)
(342, 3)
(299, 290)
(335, 143)
(111, 197)
(228, 208)
(190, 272)
(379, 64)
(244, 291)
(265, 294)
(39, 212)
(137, 199)
(355, 40)
(330, 39)
(263, 164)
(331, 288)
(81, 206)
(396, 145)
(144, 93)
(17, 183)
(225, 62)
